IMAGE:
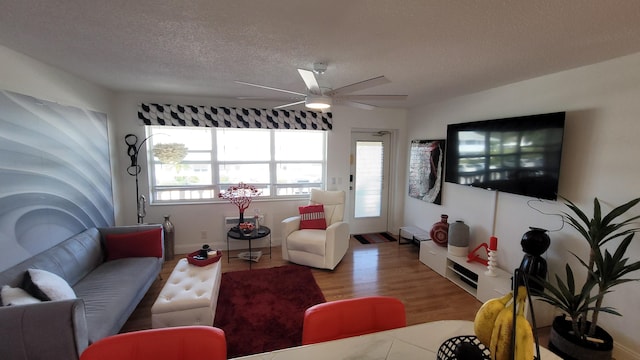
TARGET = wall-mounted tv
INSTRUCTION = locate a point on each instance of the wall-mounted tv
(519, 155)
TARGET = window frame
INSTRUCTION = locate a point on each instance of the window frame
(273, 187)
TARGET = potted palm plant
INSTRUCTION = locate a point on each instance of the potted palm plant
(577, 335)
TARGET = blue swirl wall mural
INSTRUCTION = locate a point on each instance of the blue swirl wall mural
(55, 174)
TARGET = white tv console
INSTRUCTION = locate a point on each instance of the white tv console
(468, 275)
(471, 277)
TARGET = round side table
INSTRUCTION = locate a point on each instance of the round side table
(237, 234)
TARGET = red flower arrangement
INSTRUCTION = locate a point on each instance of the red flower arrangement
(240, 195)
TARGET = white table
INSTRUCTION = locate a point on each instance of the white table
(412, 342)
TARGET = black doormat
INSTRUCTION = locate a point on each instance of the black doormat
(374, 238)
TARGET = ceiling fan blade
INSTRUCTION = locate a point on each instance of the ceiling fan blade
(290, 104)
(270, 88)
(356, 104)
(373, 97)
(284, 98)
(310, 80)
(380, 80)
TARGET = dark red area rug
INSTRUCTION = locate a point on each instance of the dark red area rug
(262, 310)
(374, 238)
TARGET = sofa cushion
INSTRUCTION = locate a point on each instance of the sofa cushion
(312, 217)
(46, 285)
(16, 296)
(310, 240)
(135, 244)
(72, 259)
(113, 290)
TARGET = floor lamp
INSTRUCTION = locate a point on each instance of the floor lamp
(134, 169)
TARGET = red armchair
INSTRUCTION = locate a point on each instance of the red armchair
(183, 342)
(352, 317)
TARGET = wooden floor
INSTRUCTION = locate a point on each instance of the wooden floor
(376, 269)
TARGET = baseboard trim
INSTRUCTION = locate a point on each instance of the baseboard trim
(621, 352)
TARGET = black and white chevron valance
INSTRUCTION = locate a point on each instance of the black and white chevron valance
(227, 117)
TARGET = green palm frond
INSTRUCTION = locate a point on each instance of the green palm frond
(599, 230)
(564, 295)
(612, 268)
(604, 269)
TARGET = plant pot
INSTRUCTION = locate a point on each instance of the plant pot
(569, 347)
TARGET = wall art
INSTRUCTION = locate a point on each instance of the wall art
(55, 172)
(426, 170)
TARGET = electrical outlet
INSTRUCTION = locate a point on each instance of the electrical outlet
(203, 235)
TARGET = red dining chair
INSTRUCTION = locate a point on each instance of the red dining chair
(173, 343)
(352, 317)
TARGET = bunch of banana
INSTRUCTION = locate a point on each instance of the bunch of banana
(493, 326)
(524, 334)
(486, 317)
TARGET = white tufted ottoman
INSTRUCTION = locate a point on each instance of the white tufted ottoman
(189, 296)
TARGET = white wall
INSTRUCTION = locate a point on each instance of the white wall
(599, 159)
(22, 74)
(192, 220)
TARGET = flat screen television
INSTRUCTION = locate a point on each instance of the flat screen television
(519, 155)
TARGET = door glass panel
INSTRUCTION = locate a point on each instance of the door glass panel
(368, 179)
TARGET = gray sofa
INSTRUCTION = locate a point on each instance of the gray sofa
(107, 293)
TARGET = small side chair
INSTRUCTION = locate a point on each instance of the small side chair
(352, 317)
(324, 247)
(173, 343)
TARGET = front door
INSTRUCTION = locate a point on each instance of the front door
(368, 185)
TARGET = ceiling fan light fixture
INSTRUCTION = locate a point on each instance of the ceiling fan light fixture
(319, 68)
(318, 102)
(321, 98)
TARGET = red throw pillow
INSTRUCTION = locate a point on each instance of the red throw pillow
(312, 217)
(134, 244)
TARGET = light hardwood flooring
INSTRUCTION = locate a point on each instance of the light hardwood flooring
(387, 269)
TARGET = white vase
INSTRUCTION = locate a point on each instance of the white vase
(458, 238)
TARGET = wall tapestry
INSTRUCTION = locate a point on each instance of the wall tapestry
(55, 173)
(426, 168)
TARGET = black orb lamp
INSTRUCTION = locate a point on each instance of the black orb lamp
(534, 243)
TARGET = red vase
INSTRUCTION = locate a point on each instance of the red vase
(440, 231)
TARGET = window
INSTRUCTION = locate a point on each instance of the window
(279, 162)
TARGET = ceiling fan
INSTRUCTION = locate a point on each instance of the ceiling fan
(318, 98)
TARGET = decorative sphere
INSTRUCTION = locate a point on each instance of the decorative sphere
(466, 350)
(535, 241)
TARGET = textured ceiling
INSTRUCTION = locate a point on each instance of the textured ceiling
(429, 49)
